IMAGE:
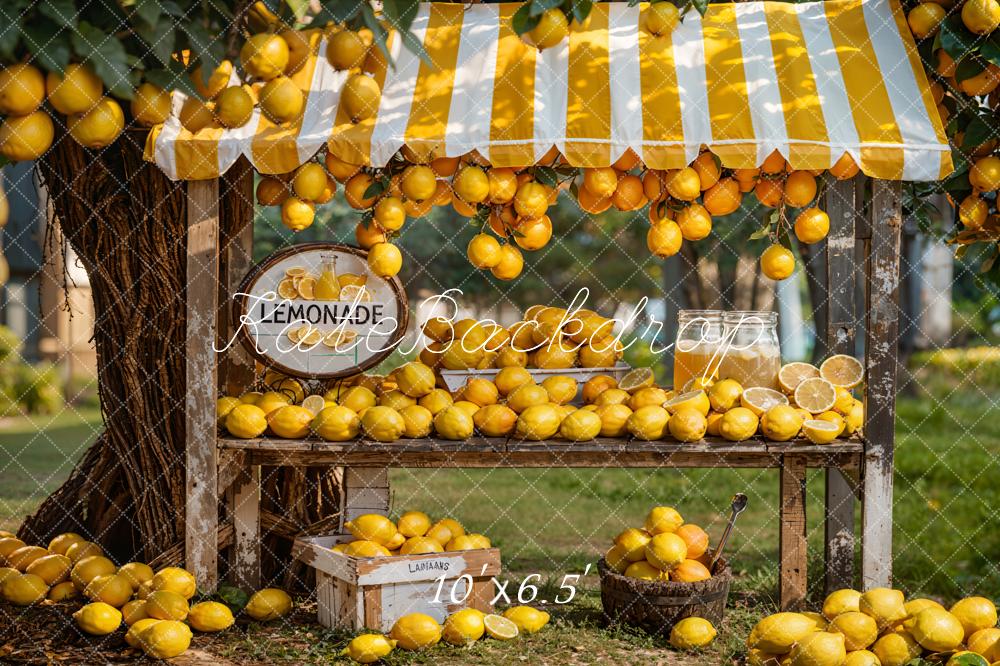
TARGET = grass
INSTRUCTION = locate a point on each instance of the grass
(558, 521)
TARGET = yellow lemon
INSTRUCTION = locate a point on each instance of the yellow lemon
(22, 89)
(246, 421)
(134, 611)
(975, 613)
(724, 395)
(464, 627)
(383, 424)
(613, 396)
(817, 395)
(648, 423)
(616, 558)
(500, 628)
(614, 419)
(97, 127)
(268, 604)
(859, 630)
(689, 571)
(580, 426)
(552, 29)
(688, 424)
(385, 259)
(416, 631)
(538, 422)
(528, 620)
(738, 424)
(98, 619)
(76, 91)
(90, 568)
(264, 56)
(365, 549)
(495, 420)
(61, 543)
(883, 604)
(861, 658)
(665, 551)
(281, 100)
(691, 632)
(63, 592)
(453, 423)
(175, 579)
(132, 635)
(645, 571)
(336, 423)
(819, 648)
(79, 550)
(696, 400)
(357, 399)
(781, 423)
(372, 527)
(937, 630)
(369, 648)
(820, 432)
(986, 642)
(560, 388)
(166, 605)
(633, 541)
(525, 396)
(480, 392)
(650, 395)
(290, 421)
(417, 421)
(24, 589)
(896, 649)
(210, 616)
(414, 379)
(165, 639)
(53, 568)
(24, 138)
(779, 632)
(420, 544)
(112, 589)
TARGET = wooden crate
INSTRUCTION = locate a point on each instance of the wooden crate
(355, 593)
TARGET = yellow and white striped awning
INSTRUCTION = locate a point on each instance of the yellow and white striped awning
(811, 80)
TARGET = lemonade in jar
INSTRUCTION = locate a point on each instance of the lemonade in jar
(327, 285)
(696, 349)
(751, 353)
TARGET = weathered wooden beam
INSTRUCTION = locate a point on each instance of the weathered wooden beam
(243, 502)
(202, 500)
(881, 332)
(792, 548)
(366, 490)
(842, 208)
(236, 367)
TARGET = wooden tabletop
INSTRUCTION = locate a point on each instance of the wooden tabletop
(487, 452)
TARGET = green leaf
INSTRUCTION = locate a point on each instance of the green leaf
(523, 20)
(977, 132)
(956, 39)
(400, 13)
(172, 77)
(539, 7)
(299, 8)
(990, 49)
(370, 20)
(10, 33)
(546, 176)
(233, 597)
(481, 217)
(969, 68)
(414, 45)
(148, 12)
(208, 48)
(983, 268)
(763, 232)
(107, 56)
(159, 40)
(62, 12)
(376, 188)
(47, 43)
(701, 6)
(580, 10)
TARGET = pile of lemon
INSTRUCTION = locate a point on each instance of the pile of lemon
(548, 337)
(665, 548)
(412, 534)
(417, 631)
(878, 628)
(155, 606)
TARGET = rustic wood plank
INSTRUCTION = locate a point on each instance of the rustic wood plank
(842, 208)
(882, 332)
(373, 607)
(792, 546)
(236, 367)
(366, 490)
(202, 500)
(243, 499)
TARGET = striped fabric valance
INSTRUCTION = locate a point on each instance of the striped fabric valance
(810, 80)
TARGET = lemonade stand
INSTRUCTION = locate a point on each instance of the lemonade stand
(811, 82)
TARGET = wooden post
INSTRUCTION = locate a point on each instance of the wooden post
(842, 208)
(243, 500)
(366, 490)
(201, 524)
(792, 546)
(882, 327)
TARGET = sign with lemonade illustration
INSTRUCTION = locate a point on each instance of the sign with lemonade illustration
(316, 310)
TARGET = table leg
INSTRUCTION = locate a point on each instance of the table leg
(792, 546)
(243, 498)
(839, 531)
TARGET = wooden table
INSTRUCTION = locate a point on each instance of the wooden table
(366, 487)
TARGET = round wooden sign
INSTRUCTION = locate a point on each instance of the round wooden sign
(316, 311)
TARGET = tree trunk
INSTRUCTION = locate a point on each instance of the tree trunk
(127, 223)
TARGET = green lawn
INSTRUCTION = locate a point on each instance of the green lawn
(557, 522)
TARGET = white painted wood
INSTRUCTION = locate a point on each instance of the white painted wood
(400, 599)
(245, 507)
(201, 524)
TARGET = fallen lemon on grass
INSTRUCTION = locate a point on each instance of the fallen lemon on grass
(500, 628)
(268, 604)
(369, 648)
(529, 620)
(464, 627)
(692, 633)
(416, 631)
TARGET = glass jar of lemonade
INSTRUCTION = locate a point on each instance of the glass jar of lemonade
(751, 353)
(696, 349)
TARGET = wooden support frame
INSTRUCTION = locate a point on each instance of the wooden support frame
(792, 543)
(201, 515)
(881, 333)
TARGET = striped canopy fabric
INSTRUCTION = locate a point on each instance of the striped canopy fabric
(811, 80)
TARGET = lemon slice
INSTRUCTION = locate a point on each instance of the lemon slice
(334, 339)
(314, 403)
(842, 370)
(793, 374)
(306, 287)
(286, 289)
(295, 272)
(758, 399)
(310, 336)
(820, 432)
(698, 384)
(500, 628)
(636, 379)
(696, 399)
(347, 279)
(816, 395)
(293, 335)
(351, 293)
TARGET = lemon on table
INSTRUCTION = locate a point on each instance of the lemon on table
(416, 631)
(820, 432)
(580, 426)
(759, 400)
(781, 423)
(648, 423)
(834, 418)
(636, 379)
(246, 421)
(854, 419)
(842, 370)
(336, 423)
(464, 627)
(314, 403)
(210, 616)
(816, 395)
(268, 604)
(697, 400)
(453, 423)
(165, 639)
(98, 618)
(369, 648)
(691, 633)
(738, 424)
(688, 424)
(792, 374)
(538, 422)
(528, 620)
(500, 628)
(383, 424)
(724, 394)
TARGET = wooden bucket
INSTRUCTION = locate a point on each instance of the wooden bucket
(657, 606)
